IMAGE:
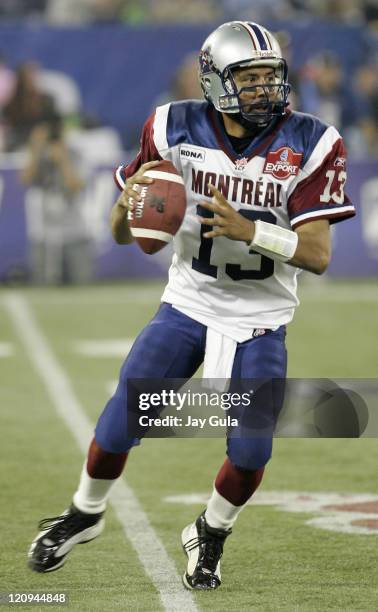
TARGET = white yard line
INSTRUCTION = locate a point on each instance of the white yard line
(138, 530)
(119, 294)
(107, 347)
(6, 349)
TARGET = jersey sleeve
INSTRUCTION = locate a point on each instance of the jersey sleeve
(319, 192)
(147, 152)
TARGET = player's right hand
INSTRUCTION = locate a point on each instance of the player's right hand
(130, 193)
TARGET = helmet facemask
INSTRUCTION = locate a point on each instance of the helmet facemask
(258, 103)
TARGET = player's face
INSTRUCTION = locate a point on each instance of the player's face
(256, 85)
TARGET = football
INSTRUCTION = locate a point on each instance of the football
(157, 217)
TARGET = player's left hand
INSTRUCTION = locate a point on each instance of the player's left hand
(226, 221)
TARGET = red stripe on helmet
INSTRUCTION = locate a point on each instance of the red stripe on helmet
(250, 32)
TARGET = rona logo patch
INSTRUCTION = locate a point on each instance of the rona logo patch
(192, 154)
(282, 163)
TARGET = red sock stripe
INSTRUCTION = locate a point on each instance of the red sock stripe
(102, 464)
(236, 484)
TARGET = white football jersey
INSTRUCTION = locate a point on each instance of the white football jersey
(292, 173)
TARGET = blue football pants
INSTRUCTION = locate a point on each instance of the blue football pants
(172, 345)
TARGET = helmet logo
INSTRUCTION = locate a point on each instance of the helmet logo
(205, 61)
(282, 163)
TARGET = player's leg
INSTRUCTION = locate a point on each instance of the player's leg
(262, 358)
(171, 346)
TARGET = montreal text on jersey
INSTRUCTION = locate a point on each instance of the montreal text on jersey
(236, 189)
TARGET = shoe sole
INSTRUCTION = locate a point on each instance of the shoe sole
(185, 536)
(81, 538)
(186, 583)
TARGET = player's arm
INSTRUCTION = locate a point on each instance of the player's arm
(126, 201)
(307, 247)
(128, 178)
(37, 145)
(314, 248)
(118, 220)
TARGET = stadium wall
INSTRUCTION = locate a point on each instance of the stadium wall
(355, 241)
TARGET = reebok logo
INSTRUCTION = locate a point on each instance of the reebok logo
(193, 154)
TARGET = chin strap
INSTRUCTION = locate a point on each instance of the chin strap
(253, 126)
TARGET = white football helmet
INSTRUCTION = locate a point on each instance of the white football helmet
(240, 44)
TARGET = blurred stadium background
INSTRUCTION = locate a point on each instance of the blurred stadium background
(99, 68)
(93, 70)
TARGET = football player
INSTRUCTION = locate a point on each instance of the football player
(263, 186)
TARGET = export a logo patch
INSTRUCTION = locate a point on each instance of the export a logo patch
(282, 163)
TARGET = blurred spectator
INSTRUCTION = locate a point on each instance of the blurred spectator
(196, 11)
(84, 11)
(63, 89)
(7, 85)
(342, 11)
(183, 11)
(350, 104)
(321, 89)
(285, 42)
(371, 12)
(259, 11)
(108, 11)
(362, 137)
(61, 250)
(185, 83)
(67, 12)
(27, 107)
(7, 82)
(366, 85)
(18, 9)
(134, 12)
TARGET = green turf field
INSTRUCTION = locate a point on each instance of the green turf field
(274, 560)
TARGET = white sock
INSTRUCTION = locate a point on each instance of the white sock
(220, 513)
(92, 493)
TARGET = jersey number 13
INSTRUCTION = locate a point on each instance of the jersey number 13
(202, 263)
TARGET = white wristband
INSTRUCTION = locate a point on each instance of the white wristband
(274, 241)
